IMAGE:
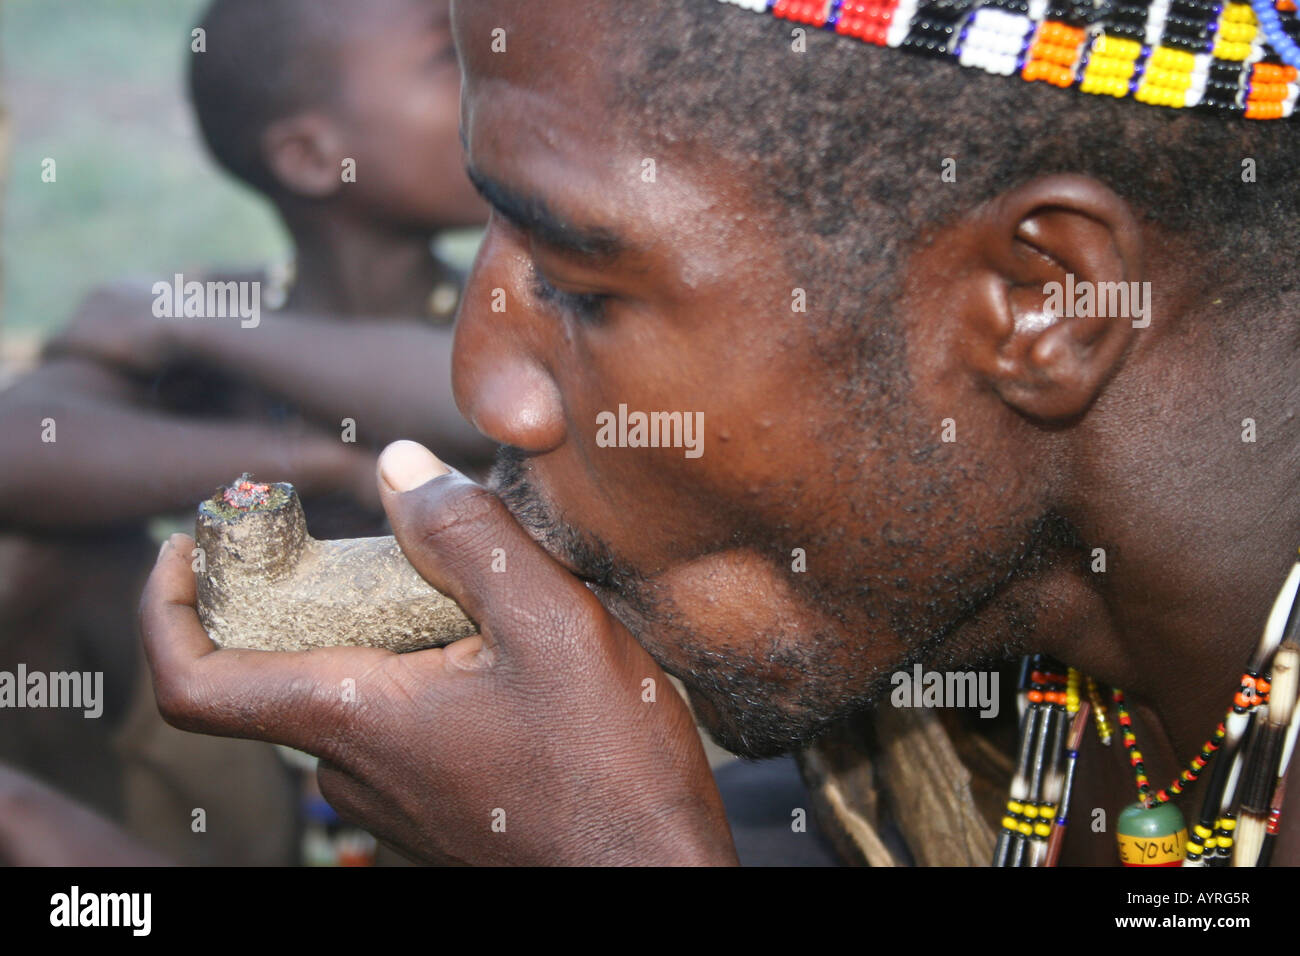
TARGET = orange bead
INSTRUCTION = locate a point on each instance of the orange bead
(1273, 73)
(1264, 111)
(1266, 93)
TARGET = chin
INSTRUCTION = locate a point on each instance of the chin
(775, 693)
(755, 731)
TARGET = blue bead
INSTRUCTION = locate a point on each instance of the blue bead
(1271, 25)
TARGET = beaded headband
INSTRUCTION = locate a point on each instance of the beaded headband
(1231, 57)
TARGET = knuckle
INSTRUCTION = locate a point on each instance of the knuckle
(461, 519)
(334, 788)
(175, 700)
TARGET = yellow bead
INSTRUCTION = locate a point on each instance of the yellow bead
(1202, 831)
(1117, 47)
(1170, 59)
(1015, 806)
(1042, 830)
(1010, 823)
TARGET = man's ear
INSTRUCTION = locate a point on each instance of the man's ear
(1060, 295)
(304, 153)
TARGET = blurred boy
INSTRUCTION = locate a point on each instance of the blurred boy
(345, 117)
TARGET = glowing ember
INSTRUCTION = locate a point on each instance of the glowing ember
(246, 495)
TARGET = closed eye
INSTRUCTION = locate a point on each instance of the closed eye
(586, 307)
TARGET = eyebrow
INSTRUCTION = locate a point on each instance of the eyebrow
(534, 216)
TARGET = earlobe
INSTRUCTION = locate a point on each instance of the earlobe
(1063, 293)
(302, 152)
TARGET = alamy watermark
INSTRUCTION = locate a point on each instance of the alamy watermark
(208, 300)
(57, 689)
(74, 908)
(921, 688)
(626, 429)
(1103, 300)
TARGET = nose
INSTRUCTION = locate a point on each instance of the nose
(499, 379)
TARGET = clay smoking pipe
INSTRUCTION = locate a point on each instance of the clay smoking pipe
(264, 583)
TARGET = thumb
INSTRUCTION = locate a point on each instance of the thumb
(465, 542)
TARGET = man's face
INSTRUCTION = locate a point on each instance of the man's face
(817, 541)
(399, 104)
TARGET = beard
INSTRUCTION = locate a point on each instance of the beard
(731, 692)
(778, 694)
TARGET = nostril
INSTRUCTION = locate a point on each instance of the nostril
(518, 404)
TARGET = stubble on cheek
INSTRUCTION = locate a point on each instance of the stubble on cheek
(767, 670)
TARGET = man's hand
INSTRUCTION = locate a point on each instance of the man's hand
(528, 744)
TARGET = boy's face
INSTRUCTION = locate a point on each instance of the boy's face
(819, 539)
(398, 109)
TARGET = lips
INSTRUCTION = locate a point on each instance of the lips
(522, 511)
(585, 558)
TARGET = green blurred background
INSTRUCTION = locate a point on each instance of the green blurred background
(98, 86)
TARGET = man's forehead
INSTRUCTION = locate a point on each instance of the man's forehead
(510, 35)
(540, 118)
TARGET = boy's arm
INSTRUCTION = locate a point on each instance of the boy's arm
(79, 454)
(393, 377)
(41, 827)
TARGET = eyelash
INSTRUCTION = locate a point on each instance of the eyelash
(586, 307)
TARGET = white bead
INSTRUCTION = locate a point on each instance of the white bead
(1288, 104)
(1157, 13)
(898, 29)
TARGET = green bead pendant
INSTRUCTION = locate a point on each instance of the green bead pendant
(1155, 836)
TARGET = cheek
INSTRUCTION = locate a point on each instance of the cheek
(738, 606)
(757, 405)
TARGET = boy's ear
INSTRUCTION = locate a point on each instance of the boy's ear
(304, 154)
(1060, 293)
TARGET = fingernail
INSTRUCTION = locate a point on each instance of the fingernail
(167, 543)
(405, 465)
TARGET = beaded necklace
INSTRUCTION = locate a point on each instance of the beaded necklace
(1257, 746)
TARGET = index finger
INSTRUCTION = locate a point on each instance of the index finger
(290, 698)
